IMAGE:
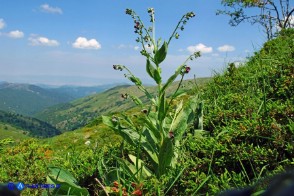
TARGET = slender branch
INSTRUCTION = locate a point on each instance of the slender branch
(175, 29)
(288, 16)
(277, 13)
(103, 187)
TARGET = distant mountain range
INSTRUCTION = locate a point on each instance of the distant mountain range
(28, 99)
(78, 113)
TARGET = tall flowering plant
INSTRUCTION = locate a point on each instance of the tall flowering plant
(155, 139)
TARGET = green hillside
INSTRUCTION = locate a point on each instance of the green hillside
(78, 113)
(11, 132)
(28, 125)
(28, 99)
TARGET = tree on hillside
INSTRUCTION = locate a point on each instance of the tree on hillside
(272, 15)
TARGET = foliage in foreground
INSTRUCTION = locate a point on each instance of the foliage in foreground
(157, 133)
(249, 116)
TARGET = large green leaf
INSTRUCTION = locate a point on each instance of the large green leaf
(160, 55)
(129, 135)
(184, 117)
(136, 100)
(162, 108)
(68, 184)
(154, 73)
(151, 152)
(151, 125)
(165, 156)
(146, 172)
(109, 122)
(135, 80)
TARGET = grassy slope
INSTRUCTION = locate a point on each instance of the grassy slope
(8, 131)
(249, 113)
(80, 112)
(31, 126)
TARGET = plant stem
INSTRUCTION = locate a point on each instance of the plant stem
(103, 187)
(175, 30)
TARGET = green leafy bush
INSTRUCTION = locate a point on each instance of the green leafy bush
(249, 115)
(27, 162)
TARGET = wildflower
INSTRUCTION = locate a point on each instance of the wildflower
(171, 134)
(137, 192)
(115, 184)
(134, 184)
(137, 25)
(114, 189)
(186, 69)
(88, 143)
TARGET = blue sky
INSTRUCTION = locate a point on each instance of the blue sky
(77, 42)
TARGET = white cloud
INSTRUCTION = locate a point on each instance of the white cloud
(48, 9)
(2, 23)
(226, 48)
(42, 41)
(15, 34)
(200, 47)
(83, 43)
(122, 46)
(136, 48)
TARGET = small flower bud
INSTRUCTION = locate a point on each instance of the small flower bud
(177, 36)
(133, 184)
(143, 52)
(118, 67)
(129, 11)
(115, 184)
(186, 69)
(197, 54)
(150, 10)
(125, 96)
(114, 119)
(145, 111)
(171, 134)
(146, 38)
